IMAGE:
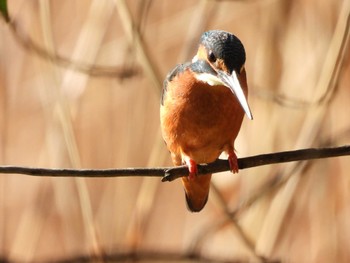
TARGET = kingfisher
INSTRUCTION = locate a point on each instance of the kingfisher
(203, 103)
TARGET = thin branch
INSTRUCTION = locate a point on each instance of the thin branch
(172, 173)
(145, 256)
(259, 160)
(290, 102)
(120, 71)
(246, 240)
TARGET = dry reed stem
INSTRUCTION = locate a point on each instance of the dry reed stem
(86, 48)
(308, 134)
(61, 111)
(134, 37)
(248, 243)
(147, 192)
(90, 69)
(109, 205)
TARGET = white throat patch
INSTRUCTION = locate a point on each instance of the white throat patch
(210, 79)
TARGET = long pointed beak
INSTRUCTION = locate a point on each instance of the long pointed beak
(232, 82)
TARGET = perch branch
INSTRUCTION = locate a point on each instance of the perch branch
(172, 173)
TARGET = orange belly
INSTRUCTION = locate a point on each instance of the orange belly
(199, 120)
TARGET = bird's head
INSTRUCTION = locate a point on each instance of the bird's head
(225, 53)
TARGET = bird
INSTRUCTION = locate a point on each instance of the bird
(203, 103)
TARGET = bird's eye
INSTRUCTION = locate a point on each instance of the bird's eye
(211, 56)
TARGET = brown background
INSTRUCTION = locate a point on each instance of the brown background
(54, 116)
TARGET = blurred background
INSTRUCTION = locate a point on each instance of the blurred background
(80, 83)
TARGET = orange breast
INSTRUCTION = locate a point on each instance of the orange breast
(200, 120)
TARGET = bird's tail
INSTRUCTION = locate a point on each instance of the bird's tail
(197, 191)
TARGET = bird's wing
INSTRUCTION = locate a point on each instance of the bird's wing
(176, 71)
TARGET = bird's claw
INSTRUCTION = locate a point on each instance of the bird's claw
(232, 159)
(192, 168)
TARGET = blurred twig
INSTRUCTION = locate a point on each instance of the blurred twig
(172, 173)
(312, 125)
(133, 35)
(27, 43)
(149, 257)
(234, 223)
(324, 97)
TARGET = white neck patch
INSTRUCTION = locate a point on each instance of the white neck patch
(210, 79)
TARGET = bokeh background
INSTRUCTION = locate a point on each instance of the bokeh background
(80, 83)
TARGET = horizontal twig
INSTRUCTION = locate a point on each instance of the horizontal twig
(117, 71)
(146, 256)
(172, 173)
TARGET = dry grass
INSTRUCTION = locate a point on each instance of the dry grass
(62, 116)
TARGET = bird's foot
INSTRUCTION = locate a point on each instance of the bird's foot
(192, 168)
(232, 159)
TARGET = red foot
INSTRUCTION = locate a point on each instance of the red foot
(232, 159)
(192, 168)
